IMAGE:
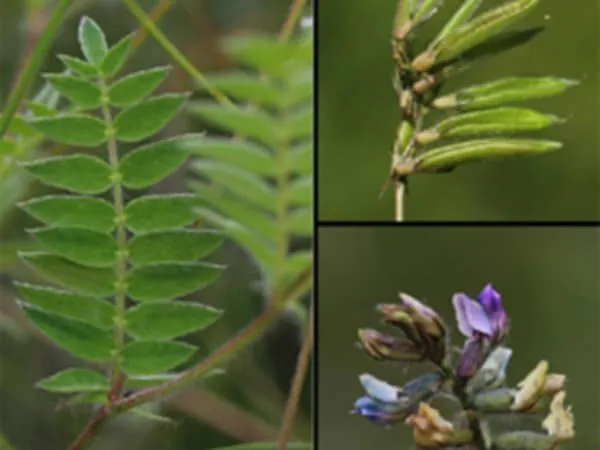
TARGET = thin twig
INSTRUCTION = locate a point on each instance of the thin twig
(291, 406)
(154, 15)
(399, 200)
(290, 21)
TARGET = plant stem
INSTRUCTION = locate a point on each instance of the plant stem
(178, 57)
(399, 200)
(292, 403)
(459, 391)
(33, 64)
(290, 21)
(155, 14)
(121, 236)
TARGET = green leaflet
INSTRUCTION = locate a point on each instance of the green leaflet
(301, 191)
(70, 211)
(242, 154)
(92, 41)
(264, 54)
(83, 340)
(81, 92)
(425, 9)
(168, 320)
(241, 214)
(300, 222)
(78, 66)
(498, 120)
(141, 358)
(92, 281)
(248, 88)
(261, 250)
(159, 212)
(151, 163)
(480, 149)
(164, 281)
(300, 89)
(72, 129)
(77, 173)
(116, 56)
(82, 246)
(299, 124)
(40, 110)
(147, 117)
(134, 87)
(301, 159)
(173, 245)
(74, 380)
(94, 311)
(505, 90)
(250, 122)
(242, 184)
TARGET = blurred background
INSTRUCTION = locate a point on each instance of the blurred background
(245, 403)
(548, 278)
(358, 116)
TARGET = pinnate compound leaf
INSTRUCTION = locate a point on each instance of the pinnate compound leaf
(147, 117)
(149, 164)
(242, 184)
(159, 212)
(85, 341)
(506, 90)
(117, 56)
(81, 92)
(497, 120)
(78, 173)
(87, 280)
(135, 87)
(72, 129)
(240, 153)
(173, 245)
(72, 211)
(92, 41)
(164, 281)
(168, 320)
(74, 380)
(85, 247)
(250, 122)
(78, 66)
(141, 358)
(94, 311)
(248, 88)
(480, 149)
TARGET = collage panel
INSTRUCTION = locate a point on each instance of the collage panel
(475, 111)
(417, 325)
(156, 224)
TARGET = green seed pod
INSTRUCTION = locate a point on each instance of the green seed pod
(478, 150)
(506, 90)
(495, 400)
(524, 440)
(494, 121)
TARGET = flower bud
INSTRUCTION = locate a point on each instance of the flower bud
(431, 430)
(560, 422)
(472, 356)
(531, 388)
(494, 400)
(492, 373)
(387, 348)
(376, 412)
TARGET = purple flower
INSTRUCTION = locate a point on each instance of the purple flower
(375, 411)
(484, 316)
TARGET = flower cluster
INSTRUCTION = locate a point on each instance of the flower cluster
(476, 380)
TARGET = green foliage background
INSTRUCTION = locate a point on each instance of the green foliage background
(246, 402)
(358, 116)
(548, 278)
